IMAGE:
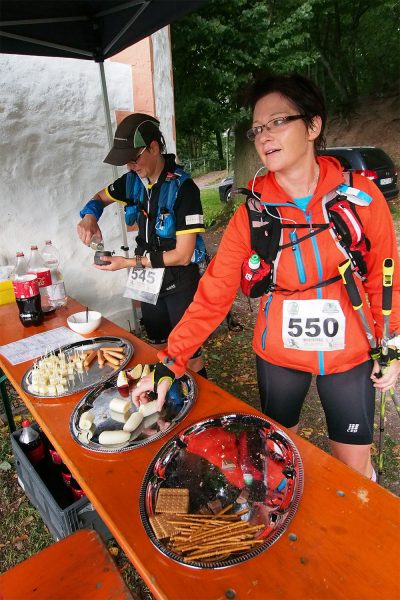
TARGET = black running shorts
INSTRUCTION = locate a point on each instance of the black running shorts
(348, 399)
(160, 319)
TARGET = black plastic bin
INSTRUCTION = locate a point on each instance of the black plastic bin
(45, 489)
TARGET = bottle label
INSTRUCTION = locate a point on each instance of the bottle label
(35, 455)
(44, 277)
(26, 286)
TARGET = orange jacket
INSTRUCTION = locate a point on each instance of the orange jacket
(321, 257)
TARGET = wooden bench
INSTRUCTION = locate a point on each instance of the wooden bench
(79, 566)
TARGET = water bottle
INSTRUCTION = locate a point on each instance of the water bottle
(38, 268)
(96, 242)
(51, 259)
(31, 442)
(254, 262)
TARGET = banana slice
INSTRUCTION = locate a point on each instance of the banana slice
(133, 422)
(120, 405)
(109, 438)
(86, 420)
(119, 417)
(148, 409)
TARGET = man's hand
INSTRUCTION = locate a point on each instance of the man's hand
(117, 263)
(87, 228)
(388, 379)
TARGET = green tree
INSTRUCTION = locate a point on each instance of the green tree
(349, 47)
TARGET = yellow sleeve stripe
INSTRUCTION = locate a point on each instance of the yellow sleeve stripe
(199, 230)
(107, 193)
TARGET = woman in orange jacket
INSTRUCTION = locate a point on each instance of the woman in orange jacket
(306, 323)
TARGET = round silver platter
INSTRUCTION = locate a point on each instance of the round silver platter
(227, 464)
(91, 376)
(180, 399)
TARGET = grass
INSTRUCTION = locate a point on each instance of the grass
(212, 206)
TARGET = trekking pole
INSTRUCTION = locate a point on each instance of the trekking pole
(355, 299)
(387, 286)
(387, 289)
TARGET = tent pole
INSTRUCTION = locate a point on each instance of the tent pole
(120, 210)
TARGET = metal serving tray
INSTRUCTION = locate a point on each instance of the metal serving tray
(180, 399)
(91, 376)
(227, 464)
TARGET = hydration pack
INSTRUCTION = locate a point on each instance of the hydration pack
(165, 221)
(266, 227)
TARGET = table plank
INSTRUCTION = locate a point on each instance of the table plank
(343, 539)
(79, 566)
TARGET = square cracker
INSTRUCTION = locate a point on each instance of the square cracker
(173, 501)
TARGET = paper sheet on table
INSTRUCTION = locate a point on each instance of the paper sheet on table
(39, 344)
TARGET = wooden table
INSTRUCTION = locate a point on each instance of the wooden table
(346, 527)
(79, 566)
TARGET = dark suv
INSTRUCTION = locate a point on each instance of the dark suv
(371, 162)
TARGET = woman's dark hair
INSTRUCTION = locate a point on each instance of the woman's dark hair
(300, 90)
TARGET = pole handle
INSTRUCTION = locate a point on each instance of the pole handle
(351, 288)
(387, 285)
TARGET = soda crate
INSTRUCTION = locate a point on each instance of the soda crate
(44, 494)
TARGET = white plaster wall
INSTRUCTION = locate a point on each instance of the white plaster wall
(52, 143)
(163, 86)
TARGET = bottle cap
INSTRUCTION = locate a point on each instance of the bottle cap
(26, 423)
(254, 261)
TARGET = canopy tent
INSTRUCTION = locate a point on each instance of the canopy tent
(88, 30)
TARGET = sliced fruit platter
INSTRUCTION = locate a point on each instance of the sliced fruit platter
(77, 367)
(106, 420)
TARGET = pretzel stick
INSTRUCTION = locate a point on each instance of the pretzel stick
(224, 510)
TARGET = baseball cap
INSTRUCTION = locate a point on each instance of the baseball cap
(134, 132)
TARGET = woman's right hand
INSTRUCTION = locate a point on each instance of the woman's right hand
(145, 385)
(87, 228)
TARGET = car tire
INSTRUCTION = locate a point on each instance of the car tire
(227, 195)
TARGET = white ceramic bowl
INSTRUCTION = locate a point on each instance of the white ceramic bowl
(77, 321)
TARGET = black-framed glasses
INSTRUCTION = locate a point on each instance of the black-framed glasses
(272, 125)
(138, 155)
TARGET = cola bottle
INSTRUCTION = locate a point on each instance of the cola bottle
(38, 268)
(31, 442)
(51, 259)
(27, 294)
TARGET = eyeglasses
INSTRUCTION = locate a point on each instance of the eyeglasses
(138, 155)
(272, 125)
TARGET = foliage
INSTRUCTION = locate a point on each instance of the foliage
(212, 206)
(349, 47)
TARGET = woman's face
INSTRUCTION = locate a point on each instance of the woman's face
(289, 146)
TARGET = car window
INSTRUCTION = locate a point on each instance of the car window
(375, 158)
(342, 159)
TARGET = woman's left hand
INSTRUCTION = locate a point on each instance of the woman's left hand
(117, 262)
(388, 379)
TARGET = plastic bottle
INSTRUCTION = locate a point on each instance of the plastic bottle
(51, 259)
(26, 292)
(38, 268)
(31, 442)
(254, 262)
(96, 242)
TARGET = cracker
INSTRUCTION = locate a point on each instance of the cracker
(173, 501)
(161, 526)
